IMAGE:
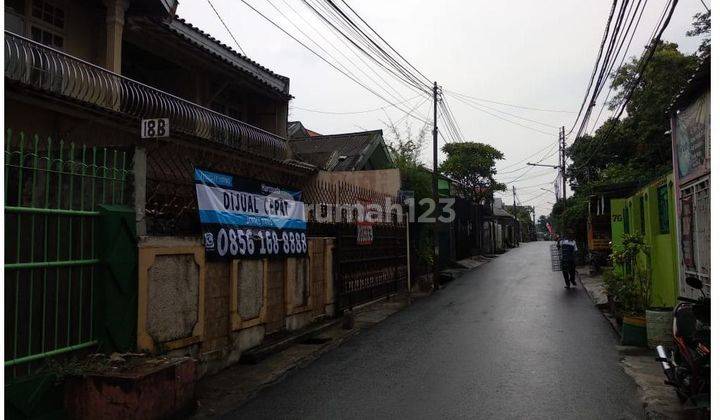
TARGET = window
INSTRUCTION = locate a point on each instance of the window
(46, 37)
(47, 23)
(626, 221)
(48, 13)
(663, 209)
(642, 214)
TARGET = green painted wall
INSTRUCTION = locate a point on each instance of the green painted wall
(617, 225)
(643, 213)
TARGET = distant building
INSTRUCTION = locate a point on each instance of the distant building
(361, 151)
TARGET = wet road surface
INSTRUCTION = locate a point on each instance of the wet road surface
(503, 341)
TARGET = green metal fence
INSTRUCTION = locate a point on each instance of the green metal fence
(52, 193)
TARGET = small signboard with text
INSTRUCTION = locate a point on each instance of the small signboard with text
(364, 233)
(244, 218)
(364, 227)
(154, 128)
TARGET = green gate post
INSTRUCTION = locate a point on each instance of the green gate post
(117, 289)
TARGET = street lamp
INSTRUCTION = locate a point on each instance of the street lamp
(542, 164)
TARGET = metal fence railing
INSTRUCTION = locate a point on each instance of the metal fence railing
(51, 71)
(53, 191)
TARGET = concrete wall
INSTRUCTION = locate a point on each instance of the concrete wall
(385, 181)
(215, 310)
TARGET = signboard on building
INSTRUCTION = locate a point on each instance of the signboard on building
(154, 128)
(691, 138)
(244, 218)
(364, 233)
(363, 225)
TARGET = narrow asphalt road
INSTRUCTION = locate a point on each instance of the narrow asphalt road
(503, 341)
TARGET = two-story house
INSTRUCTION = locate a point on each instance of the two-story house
(92, 70)
(80, 76)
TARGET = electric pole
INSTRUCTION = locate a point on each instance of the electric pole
(517, 222)
(562, 175)
(562, 164)
(436, 241)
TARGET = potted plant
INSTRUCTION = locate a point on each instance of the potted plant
(634, 291)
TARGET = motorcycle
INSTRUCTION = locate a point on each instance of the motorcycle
(687, 366)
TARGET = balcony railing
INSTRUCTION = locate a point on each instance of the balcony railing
(55, 72)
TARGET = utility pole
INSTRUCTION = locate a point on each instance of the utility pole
(535, 229)
(562, 164)
(562, 174)
(517, 222)
(436, 241)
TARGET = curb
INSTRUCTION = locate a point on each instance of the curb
(256, 355)
(604, 315)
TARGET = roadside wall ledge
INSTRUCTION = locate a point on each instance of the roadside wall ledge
(168, 241)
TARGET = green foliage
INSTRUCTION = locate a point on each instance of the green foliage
(522, 213)
(542, 224)
(634, 289)
(701, 26)
(472, 165)
(570, 216)
(405, 148)
(633, 245)
(425, 248)
(612, 283)
(637, 148)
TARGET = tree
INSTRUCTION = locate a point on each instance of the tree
(701, 26)
(636, 147)
(405, 147)
(472, 166)
(542, 222)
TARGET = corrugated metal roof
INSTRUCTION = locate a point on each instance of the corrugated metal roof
(338, 152)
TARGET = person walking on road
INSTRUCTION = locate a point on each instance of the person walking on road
(568, 248)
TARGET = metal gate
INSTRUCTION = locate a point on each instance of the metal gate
(695, 234)
(367, 272)
(363, 272)
(53, 191)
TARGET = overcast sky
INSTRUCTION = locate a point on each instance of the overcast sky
(530, 53)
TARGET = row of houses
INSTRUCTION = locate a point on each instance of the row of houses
(117, 114)
(671, 214)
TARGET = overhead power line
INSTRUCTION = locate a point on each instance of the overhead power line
(472, 105)
(351, 77)
(226, 28)
(524, 160)
(359, 59)
(535, 197)
(622, 61)
(595, 67)
(397, 72)
(366, 111)
(605, 69)
(643, 65)
(530, 108)
(386, 43)
(506, 113)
